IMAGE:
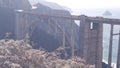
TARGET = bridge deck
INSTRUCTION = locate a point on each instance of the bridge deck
(75, 17)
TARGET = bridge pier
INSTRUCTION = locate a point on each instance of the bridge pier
(91, 37)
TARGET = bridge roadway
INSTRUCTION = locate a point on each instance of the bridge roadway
(76, 17)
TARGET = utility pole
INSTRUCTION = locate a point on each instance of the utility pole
(110, 47)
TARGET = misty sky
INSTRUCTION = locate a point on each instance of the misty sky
(78, 4)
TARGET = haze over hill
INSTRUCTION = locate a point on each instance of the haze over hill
(50, 5)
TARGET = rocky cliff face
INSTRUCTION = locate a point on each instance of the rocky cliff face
(15, 4)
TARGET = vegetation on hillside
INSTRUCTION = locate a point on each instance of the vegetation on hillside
(18, 54)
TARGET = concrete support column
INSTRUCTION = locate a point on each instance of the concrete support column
(91, 38)
(110, 47)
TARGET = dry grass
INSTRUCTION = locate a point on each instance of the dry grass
(18, 54)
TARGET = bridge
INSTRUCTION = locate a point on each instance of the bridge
(90, 34)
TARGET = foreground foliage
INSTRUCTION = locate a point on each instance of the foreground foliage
(18, 54)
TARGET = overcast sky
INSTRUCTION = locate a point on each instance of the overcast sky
(78, 4)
